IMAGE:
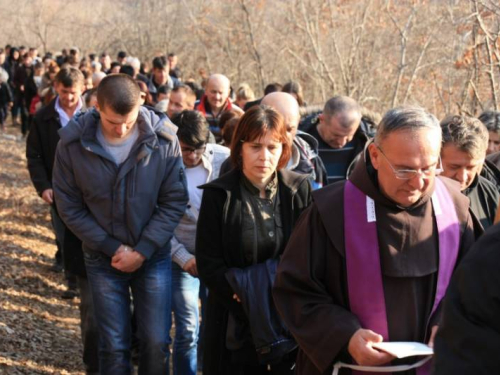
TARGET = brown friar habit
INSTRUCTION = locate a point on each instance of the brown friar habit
(311, 285)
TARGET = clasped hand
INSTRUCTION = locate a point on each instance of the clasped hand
(126, 259)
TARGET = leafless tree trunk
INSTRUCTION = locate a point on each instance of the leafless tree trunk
(403, 33)
(255, 50)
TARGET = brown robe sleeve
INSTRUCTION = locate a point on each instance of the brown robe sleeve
(312, 297)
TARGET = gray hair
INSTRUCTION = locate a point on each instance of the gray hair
(410, 118)
(491, 119)
(134, 62)
(467, 134)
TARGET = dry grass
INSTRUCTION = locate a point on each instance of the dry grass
(39, 332)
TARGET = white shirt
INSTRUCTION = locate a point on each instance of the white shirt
(63, 116)
(195, 177)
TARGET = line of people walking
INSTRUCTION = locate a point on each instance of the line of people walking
(307, 238)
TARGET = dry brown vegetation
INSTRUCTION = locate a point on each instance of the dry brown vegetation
(442, 54)
(39, 332)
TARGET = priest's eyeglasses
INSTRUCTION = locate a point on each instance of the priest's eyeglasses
(408, 174)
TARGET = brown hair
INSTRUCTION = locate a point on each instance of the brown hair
(190, 94)
(118, 92)
(253, 125)
(467, 134)
(144, 89)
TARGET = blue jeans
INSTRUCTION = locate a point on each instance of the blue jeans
(151, 288)
(185, 307)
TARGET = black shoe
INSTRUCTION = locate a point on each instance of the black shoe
(70, 294)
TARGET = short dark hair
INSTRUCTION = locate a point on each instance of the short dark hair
(127, 69)
(186, 89)
(148, 100)
(273, 87)
(254, 124)
(122, 54)
(491, 119)
(164, 89)
(88, 96)
(193, 128)
(69, 76)
(467, 134)
(118, 92)
(160, 62)
(113, 64)
(38, 65)
(227, 116)
(228, 130)
(195, 88)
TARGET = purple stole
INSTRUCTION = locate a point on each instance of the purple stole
(364, 274)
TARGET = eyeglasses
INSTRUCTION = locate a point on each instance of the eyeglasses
(408, 174)
(198, 151)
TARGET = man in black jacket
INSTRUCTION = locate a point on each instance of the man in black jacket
(43, 138)
(340, 136)
(465, 141)
(468, 340)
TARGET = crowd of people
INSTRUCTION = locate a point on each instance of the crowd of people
(280, 238)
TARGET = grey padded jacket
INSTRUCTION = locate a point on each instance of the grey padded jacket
(138, 203)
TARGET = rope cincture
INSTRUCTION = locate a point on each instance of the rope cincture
(400, 368)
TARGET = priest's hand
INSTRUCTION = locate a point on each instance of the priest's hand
(434, 330)
(360, 349)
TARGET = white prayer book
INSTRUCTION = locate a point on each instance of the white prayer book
(400, 349)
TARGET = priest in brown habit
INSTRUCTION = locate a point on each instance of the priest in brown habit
(371, 258)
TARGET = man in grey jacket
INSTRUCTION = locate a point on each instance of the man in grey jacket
(203, 161)
(119, 185)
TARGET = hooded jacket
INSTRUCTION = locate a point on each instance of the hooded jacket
(311, 292)
(138, 203)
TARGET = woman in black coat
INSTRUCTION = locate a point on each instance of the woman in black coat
(246, 218)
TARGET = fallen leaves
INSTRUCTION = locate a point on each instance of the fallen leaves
(39, 332)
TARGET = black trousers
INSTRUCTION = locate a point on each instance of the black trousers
(88, 325)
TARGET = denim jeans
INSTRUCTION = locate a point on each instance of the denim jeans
(185, 307)
(151, 292)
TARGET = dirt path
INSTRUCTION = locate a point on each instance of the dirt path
(39, 331)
